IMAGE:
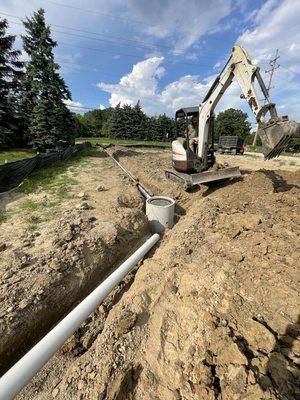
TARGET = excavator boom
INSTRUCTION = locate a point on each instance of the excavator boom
(193, 161)
(275, 132)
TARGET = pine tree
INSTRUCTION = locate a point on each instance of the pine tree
(115, 123)
(44, 90)
(40, 126)
(10, 73)
(161, 128)
(140, 122)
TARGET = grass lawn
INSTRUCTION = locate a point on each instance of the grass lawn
(15, 155)
(55, 180)
(258, 149)
(123, 142)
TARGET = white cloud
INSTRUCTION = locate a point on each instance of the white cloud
(185, 23)
(102, 107)
(142, 84)
(276, 25)
(75, 106)
(192, 56)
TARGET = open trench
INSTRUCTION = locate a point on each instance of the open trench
(211, 313)
(84, 247)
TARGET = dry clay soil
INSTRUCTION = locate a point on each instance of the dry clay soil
(212, 313)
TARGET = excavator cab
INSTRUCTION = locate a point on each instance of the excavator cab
(187, 166)
(185, 156)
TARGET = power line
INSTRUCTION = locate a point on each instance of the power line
(64, 62)
(131, 55)
(139, 42)
(125, 19)
(116, 52)
(81, 107)
(110, 15)
(99, 12)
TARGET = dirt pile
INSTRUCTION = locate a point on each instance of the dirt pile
(212, 314)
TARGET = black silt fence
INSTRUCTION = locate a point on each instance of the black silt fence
(12, 174)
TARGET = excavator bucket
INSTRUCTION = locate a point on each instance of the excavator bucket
(276, 135)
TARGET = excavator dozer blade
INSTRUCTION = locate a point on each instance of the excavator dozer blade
(190, 180)
(275, 136)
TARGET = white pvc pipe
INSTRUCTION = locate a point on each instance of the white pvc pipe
(24, 370)
(143, 191)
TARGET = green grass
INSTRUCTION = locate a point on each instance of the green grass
(3, 216)
(54, 179)
(123, 142)
(29, 205)
(15, 155)
(49, 212)
(34, 205)
(258, 149)
(32, 222)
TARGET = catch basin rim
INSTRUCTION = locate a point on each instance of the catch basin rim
(160, 201)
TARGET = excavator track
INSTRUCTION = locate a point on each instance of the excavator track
(190, 180)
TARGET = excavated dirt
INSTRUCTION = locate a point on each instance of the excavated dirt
(212, 313)
(46, 270)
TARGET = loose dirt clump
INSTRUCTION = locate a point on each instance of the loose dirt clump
(212, 313)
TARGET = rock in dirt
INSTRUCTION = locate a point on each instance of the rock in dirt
(84, 206)
(3, 246)
(55, 392)
(82, 196)
(101, 188)
(23, 304)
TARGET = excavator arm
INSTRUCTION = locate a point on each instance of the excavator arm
(275, 132)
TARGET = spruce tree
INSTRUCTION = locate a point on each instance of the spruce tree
(48, 122)
(140, 122)
(115, 124)
(10, 73)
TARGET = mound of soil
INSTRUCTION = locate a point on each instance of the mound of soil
(212, 313)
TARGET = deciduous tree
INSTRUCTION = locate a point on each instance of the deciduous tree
(232, 122)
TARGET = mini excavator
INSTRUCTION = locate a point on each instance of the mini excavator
(195, 163)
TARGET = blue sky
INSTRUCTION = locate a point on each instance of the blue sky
(166, 52)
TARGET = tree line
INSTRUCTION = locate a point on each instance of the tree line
(130, 122)
(125, 122)
(33, 112)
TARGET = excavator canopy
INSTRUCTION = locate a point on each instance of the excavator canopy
(186, 112)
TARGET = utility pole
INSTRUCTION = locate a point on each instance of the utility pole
(274, 66)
